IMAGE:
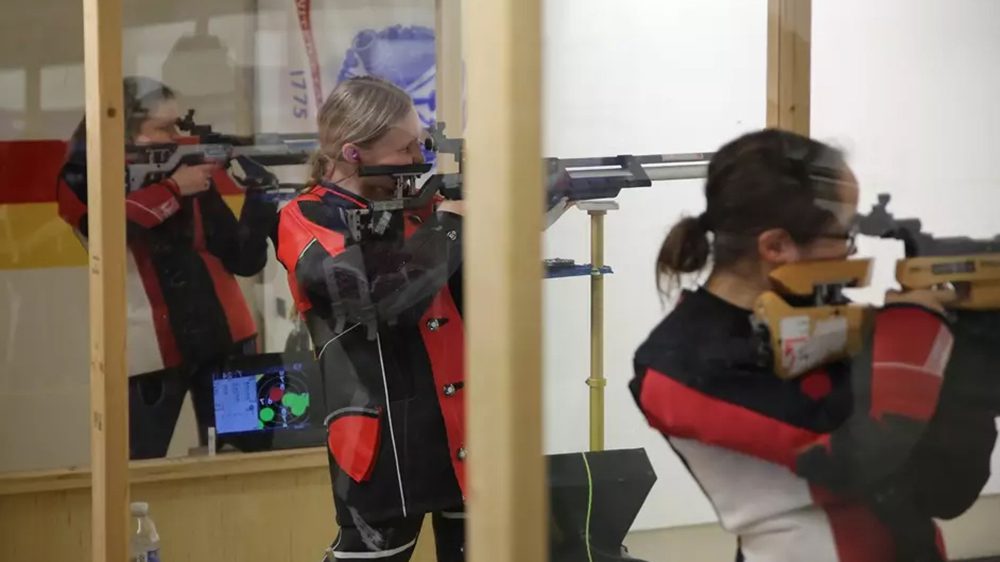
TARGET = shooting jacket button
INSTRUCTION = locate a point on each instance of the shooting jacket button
(461, 454)
(452, 235)
(434, 324)
(452, 388)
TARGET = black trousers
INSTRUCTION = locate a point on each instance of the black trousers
(394, 540)
(155, 401)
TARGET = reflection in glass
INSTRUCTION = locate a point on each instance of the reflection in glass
(186, 312)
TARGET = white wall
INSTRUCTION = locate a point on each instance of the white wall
(910, 89)
(636, 77)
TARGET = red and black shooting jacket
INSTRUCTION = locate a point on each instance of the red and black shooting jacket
(384, 314)
(847, 463)
(185, 306)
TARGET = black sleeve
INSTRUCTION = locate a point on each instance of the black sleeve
(952, 462)
(240, 244)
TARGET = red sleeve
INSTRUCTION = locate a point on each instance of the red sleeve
(146, 207)
(912, 348)
(678, 410)
(909, 351)
(153, 204)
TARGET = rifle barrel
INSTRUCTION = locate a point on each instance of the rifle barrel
(658, 167)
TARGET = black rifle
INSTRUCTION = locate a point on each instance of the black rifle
(971, 266)
(567, 180)
(253, 153)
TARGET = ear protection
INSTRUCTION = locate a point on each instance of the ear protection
(353, 155)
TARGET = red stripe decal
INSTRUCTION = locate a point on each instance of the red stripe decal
(303, 8)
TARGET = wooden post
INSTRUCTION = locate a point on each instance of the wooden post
(102, 27)
(508, 509)
(789, 46)
(448, 87)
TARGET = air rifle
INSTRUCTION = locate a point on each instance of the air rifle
(971, 267)
(148, 164)
(567, 180)
(806, 321)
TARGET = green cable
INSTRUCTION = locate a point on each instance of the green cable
(590, 504)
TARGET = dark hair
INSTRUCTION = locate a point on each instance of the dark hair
(141, 96)
(762, 180)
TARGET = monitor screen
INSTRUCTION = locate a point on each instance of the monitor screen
(269, 393)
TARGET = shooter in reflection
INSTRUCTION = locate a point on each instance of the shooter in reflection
(186, 311)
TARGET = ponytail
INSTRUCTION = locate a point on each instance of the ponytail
(360, 111)
(317, 169)
(759, 181)
(686, 249)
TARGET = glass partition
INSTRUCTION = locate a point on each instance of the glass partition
(307, 309)
(276, 300)
(720, 347)
(43, 307)
(635, 125)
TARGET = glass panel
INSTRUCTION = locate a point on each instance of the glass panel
(43, 279)
(246, 334)
(907, 96)
(292, 305)
(681, 79)
(797, 393)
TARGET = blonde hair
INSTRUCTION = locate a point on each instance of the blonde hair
(359, 111)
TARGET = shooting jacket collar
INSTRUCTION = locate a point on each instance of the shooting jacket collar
(350, 198)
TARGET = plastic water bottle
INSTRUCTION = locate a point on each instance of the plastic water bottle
(145, 543)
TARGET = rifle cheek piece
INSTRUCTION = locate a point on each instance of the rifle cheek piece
(826, 328)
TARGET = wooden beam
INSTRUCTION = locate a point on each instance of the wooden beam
(448, 88)
(507, 500)
(789, 53)
(168, 469)
(102, 39)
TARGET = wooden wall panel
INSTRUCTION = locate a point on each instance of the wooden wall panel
(789, 48)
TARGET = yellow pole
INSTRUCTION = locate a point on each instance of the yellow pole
(596, 381)
(597, 211)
